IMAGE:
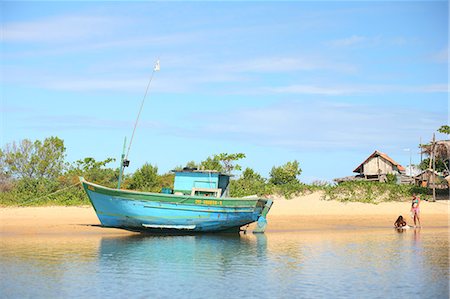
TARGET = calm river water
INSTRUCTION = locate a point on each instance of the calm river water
(379, 263)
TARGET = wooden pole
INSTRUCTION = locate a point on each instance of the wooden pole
(434, 167)
(378, 166)
(421, 152)
(430, 162)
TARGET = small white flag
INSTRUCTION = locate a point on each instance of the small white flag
(157, 67)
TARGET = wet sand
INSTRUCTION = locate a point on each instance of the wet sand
(303, 213)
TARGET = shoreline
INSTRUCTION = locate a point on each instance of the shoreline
(303, 213)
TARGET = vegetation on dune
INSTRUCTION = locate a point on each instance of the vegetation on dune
(372, 192)
(36, 173)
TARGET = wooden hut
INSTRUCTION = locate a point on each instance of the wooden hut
(377, 166)
(427, 179)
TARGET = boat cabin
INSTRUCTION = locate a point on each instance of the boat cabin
(191, 181)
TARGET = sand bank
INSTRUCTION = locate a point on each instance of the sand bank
(309, 212)
(301, 213)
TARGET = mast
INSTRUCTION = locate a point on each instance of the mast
(434, 167)
(155, 69)
(124, 162)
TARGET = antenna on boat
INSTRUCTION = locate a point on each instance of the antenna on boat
(124, 161)
(122, 165)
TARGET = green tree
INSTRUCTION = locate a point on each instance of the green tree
(166, 180)
(249, 183)
(444, 129)
(440, 166)
(285, 174)
(95, 171)
(191, 164)
(34, 160)
(89, 164)
(5, 178)
(228, 161)
(146, 179)
(391, 178)
(2, 163)
(211, 163)
(223, 162)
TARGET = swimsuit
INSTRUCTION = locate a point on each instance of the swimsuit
(415, 209)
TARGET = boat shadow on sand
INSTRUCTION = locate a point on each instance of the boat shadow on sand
(176, 232)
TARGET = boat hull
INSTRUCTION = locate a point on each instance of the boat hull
(155, 212)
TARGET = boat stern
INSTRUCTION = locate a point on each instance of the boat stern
(261, 223)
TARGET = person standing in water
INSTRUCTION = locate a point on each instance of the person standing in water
(415, 209)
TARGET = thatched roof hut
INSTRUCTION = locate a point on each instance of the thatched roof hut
(442, 149)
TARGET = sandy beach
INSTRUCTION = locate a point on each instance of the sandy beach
(303, 213)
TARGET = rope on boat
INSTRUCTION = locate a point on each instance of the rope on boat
(36, 199)
(155, 69)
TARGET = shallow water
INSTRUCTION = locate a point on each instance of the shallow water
(379, 263)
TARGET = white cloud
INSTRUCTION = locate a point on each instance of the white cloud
(58, 29)
(312, 89)
(441, 56)
(354, 39)
(356, 89)
(81, 122)
(191, 81)
(82, 84)
(286, 64)
(366, 41)
(320, 125)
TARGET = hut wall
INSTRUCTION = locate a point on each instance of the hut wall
(372, 166)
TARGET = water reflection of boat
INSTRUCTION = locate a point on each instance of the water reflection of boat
(197, 204)
(196, 253)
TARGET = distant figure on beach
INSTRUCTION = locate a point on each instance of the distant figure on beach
(400, 223)
(415, 209)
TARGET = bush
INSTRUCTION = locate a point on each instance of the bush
(146, 179)
(42, 193)
(391, 178)
(249, 183)
(285, 174)
(33, 160)
(372, 192)
(94, 171)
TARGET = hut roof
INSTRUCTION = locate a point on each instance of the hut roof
(427, 171)
(442, 149)
(384, 156)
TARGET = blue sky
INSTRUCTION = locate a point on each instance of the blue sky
(324, 83)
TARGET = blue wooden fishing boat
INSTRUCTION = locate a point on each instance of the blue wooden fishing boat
(199, 202)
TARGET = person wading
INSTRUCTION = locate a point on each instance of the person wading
(415, 210)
